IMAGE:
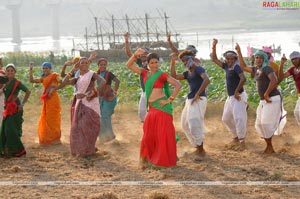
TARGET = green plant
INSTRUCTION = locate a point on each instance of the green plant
(129, 91)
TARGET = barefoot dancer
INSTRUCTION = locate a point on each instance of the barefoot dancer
(235, 113)
(275, 67)
(192, 118)
(108, 101)
(11, 128)
(49, 131)
(295, 72)
(268, 112)
(85, 125)
(158, 145)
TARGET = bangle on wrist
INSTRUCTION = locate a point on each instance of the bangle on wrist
(171, 98)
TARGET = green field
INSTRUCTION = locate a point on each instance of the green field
(129, 91)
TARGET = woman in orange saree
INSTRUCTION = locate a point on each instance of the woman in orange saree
(49, 131)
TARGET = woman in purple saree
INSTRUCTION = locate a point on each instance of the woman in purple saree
(85, 124)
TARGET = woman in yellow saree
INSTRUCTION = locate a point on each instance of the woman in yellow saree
(49, 131)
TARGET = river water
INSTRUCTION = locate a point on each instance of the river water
(288, 41)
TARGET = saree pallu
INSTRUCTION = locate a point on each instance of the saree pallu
(107, 109)
(49, 127)
(85, 125)
(158, 144)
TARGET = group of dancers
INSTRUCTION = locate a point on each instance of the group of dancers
(95, 99)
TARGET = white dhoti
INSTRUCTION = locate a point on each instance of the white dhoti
(282, 121)
(283, 117)
(142, 107)
(297, 111)
(192, 120)
(235, 115)
(268, 116)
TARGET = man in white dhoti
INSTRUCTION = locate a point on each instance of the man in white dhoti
(293, 71)
(268, 113)
(192, 118)
(235, 108)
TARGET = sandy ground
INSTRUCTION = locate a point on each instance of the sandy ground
(118, 161)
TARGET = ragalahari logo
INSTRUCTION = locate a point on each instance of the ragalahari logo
(281, 5)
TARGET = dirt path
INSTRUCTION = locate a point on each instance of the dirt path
(54, 163)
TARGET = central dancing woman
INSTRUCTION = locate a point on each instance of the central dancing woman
(158, 145)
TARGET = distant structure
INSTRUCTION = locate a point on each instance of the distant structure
(14, 6)
(107, 35)
(55, 5)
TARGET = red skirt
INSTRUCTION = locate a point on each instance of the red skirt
(159, 143)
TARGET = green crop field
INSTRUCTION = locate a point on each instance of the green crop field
(129, 90)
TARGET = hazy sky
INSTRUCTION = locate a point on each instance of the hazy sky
(185, 16)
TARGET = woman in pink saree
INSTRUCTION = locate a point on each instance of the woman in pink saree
(85, 124)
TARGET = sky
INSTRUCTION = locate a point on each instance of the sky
(185, 16)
